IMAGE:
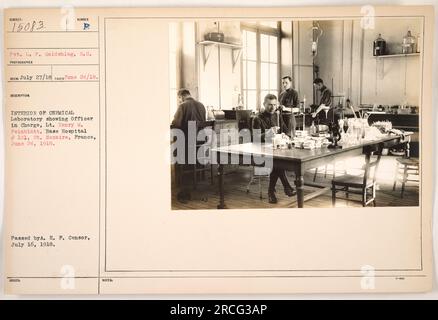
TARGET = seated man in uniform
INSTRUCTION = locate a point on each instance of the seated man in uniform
(265, 125)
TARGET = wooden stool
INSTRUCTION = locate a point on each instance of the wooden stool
(405, 167)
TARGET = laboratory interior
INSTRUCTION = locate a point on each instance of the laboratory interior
(335, 104)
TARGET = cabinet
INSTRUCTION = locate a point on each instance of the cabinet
(408, 122)
(227, 132)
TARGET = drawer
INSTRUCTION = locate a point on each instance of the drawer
(227, 132)
(227, 138)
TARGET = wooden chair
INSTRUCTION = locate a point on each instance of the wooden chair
(334, 171)
(364, 185)
(406, 167)
(257, 173)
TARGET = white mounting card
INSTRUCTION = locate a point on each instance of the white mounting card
(92, 205)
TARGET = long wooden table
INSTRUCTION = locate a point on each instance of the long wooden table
(297, 160)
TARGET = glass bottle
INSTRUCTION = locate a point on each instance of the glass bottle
(239, 102)
(408, 45)
(313, 128)
(379, 46)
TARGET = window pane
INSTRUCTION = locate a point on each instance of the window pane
(263, 93)
(264, 75)
(264, 47)
(273, 77)
(251, 45)
(273, 48)
(252, 76)
(251, 100)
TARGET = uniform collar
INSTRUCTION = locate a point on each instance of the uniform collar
(266, 114)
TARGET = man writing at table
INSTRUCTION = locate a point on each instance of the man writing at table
(265, 126)
(325, 103)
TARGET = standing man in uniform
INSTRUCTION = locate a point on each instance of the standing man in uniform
(288, 99)
(188, 110)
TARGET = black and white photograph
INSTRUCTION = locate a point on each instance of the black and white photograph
(265, 151)
(312, 113)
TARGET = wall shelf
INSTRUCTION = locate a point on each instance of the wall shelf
(236, 50)
(398, 55)
(380, 64)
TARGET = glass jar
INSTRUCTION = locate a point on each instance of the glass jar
(408, 45)
(379, 46)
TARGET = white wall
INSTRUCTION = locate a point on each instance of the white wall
(346, 55)
(302, 60)
(391, 88)
(189, 68)
(330, 57)
(286, 49)
(214, 91)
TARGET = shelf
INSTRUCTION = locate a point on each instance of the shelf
(236, 50)
(380, 64)
(398, 55)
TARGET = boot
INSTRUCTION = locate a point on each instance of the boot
(289, 191)
(272, 197)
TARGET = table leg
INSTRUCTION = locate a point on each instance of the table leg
(408, 148)
(220, 173)
(299, 183)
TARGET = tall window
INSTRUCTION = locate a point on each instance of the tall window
(260, 63)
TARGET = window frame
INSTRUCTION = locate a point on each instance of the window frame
(259, 29)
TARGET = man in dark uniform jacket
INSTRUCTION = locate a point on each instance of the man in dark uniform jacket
(265, 126)
(325, 101)
(188, 110)
(289, 99)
